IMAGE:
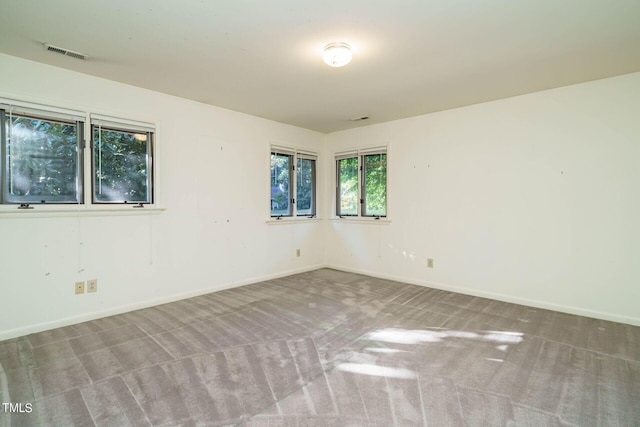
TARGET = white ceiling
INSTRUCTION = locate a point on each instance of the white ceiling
(410, 57)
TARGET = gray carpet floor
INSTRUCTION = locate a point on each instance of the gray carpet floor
(327, 348)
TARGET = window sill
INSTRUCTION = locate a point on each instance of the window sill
(362, 220)
(292, 220)
(44, 211)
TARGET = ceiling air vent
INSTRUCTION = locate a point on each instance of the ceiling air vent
(66, 52)
(357, 119)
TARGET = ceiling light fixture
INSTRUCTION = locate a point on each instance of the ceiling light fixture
(337, 54)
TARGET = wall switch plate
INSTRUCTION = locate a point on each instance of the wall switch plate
(92, 285)
(79, 288)
(297, 252)
(429, 262)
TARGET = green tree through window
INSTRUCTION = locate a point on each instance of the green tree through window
(375, 185)
(293, 195)
(364, 193)
(348, 186)
(306, 186)
(41, 160)
(121, 166)
(280, 191)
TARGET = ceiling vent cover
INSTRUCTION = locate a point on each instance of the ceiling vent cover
(357, 119)
(66, 52)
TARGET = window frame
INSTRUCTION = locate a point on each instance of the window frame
(338, 159)
(291, 174)
(84, 204)
(126, 126)
(295, 155)
(314, 184)
(52, 115)
(361, 186)
(363, 199)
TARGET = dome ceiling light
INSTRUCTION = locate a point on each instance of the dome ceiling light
(337, 54)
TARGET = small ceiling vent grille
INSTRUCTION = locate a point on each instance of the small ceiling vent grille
(66, 52)
(357, 119)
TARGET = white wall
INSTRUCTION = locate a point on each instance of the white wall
(213, 182)
(533, 199)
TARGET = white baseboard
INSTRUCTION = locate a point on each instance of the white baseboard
(498, 296)
(72, 320)
(39, 327)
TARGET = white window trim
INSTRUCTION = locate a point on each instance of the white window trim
(362, 220)
(87, 208)
(44, 110)
(296, 153)
(55, 211)
(279, 220)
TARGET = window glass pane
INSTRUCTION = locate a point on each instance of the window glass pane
(42, 160)
(280, 184)
(121, 163)
(305, 180)
(375, 185)
(348, 186)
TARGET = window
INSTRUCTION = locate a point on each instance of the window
(348, 186)
(285, 183)
(361, 184)
(306, 185)
(122, 162)
(374, 185)
(41, 156)
(281, 168)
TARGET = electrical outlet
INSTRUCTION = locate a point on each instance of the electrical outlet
(297, 252)
(429, 262)
(92, 285)
(79, 288)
